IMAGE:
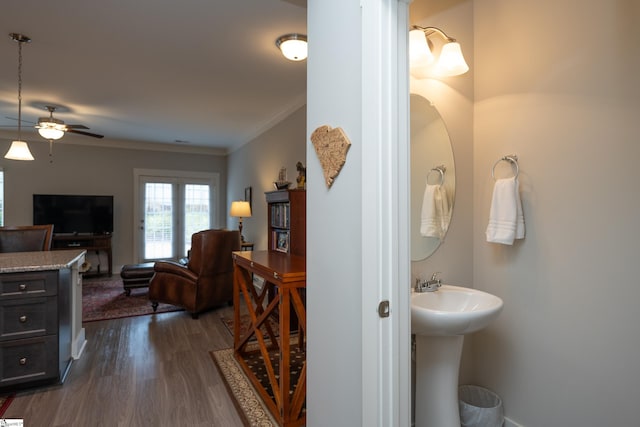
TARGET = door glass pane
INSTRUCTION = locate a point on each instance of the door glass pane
(158, 220)
(197, 211)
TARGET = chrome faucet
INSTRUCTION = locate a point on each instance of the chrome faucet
(430, 285)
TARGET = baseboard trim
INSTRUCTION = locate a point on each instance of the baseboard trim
(510, 423)
(78, 345)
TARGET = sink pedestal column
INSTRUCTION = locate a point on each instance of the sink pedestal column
(437, 367)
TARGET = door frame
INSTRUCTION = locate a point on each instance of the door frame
(386, 386)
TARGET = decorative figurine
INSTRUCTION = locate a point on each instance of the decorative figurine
(302, 175)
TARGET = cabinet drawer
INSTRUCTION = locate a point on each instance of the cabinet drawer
(28, 360)
(36, 283)
(28, 317)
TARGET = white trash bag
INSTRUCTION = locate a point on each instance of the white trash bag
(479, 407)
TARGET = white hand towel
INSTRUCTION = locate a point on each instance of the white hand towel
(506, 221)
(434, 219)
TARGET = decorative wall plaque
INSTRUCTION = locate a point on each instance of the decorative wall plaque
(331, 147)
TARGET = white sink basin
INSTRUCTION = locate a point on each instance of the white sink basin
(452, 310)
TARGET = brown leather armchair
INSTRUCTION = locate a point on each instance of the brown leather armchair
(207, 279)
(26, 238)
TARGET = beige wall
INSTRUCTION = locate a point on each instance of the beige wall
(86, 169)
(257, 164)
(556, 84)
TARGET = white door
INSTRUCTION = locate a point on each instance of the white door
(170, 207)
(357, 230)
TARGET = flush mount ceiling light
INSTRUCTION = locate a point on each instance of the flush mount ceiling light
(19, 149)
(423, 63)
(293, 46)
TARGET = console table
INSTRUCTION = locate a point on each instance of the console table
(88, 242)
(284, 274)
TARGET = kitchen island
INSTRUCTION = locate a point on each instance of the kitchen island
(40, 317)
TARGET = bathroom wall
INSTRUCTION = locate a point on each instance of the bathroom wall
(256, 165)
(556, 84)
(453, 98)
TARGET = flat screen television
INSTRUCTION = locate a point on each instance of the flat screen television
(74, 214)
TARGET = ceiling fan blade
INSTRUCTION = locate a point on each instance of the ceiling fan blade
(76, 127)
(95, 135)
(23, 120)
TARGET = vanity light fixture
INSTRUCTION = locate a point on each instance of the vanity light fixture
(240, 209)
(293, 46)
(422, 62)
(19, 149)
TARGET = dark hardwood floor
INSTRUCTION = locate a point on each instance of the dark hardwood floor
(139, 371)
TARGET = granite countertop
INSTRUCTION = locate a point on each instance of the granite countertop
(39, 261)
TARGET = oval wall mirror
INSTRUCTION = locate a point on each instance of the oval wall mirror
(433, 178)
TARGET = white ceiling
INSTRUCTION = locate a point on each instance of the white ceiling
(203, 71)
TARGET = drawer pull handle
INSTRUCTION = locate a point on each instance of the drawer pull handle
(23, 319)
(23, 361)
(22, 287)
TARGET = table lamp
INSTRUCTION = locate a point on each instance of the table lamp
(240, 209)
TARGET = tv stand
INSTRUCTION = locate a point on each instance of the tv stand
(89, 242)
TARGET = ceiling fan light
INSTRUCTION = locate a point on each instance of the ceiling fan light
(49, 130)
(19, 150)
(293, 46)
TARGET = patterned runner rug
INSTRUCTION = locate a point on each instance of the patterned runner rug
(246, 399)
(104, 299)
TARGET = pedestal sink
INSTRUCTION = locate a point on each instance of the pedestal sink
(440, 319)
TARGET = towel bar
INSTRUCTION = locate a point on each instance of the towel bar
(512, 158)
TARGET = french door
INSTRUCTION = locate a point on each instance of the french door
(171, 206)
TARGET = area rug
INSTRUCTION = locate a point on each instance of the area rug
(245, 321)
(105, 299)
(5, 401)
(246, 399)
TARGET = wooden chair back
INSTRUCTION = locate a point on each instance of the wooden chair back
(26, 238)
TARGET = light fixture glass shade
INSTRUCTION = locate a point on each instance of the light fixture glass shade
(19, 150)
(240, 209)
(293, 46)
(419, 53)
(451, 61)
(50, 130)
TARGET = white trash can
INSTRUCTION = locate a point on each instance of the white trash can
(479, 407)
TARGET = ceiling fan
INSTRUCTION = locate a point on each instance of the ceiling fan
(52, 128)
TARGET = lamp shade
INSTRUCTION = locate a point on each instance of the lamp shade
(240, 209)
(293, 46)
(19, 150)
(451, 61)
(419, 52)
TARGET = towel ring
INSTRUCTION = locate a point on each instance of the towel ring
(512, 158)
(441, 170)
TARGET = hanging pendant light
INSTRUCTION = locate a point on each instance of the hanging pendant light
(19, 149)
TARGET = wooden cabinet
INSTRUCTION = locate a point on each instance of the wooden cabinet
(35, 327)
(287, 221)
(89, 242)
